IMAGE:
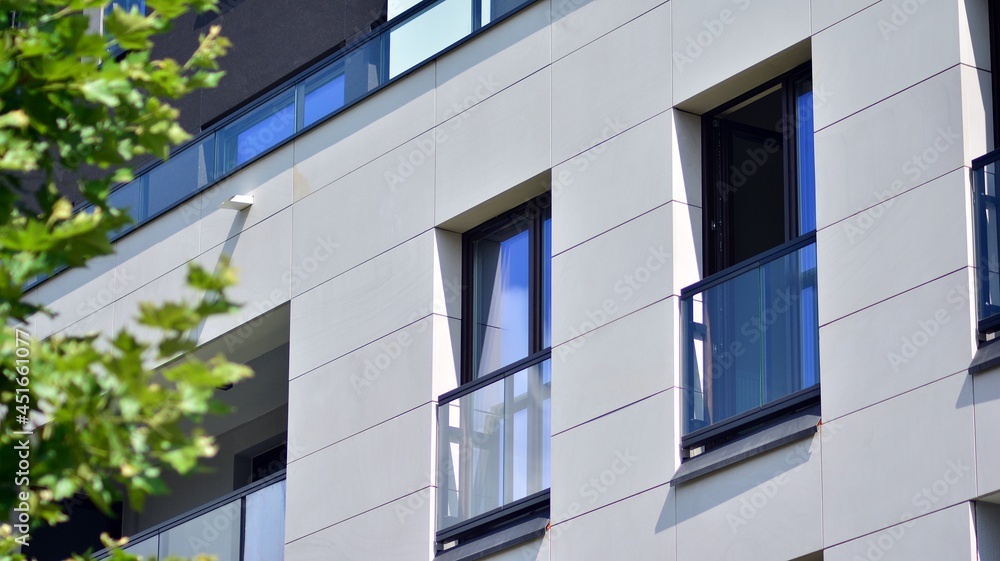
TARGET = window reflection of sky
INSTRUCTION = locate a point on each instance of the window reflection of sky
(506, 317)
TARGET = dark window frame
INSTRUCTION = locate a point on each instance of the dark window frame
(532, 216)
(719, 265)
(529, 216)
(720, 236)
(994, 16)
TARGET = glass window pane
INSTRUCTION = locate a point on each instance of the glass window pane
(427, 34)
(213, 533)
(324, 93)
(256, 132)
(527, 440)
(363, 69)
(987, 242)
(494, 9)
(750, 340)
(789, 324)
(493, 445)
(501, 299)
(757, 200)
(472, 455)
(127, 197)
(806, 159)
(732, 314)
(547, 283)
(183, 175)
(265, 524)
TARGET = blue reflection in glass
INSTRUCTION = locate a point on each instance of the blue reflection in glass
(547, 283)
(806, 163)
(323, 98)
(501, 299)
(751, 340)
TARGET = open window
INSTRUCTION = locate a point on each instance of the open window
(494, 430)
(750, 327)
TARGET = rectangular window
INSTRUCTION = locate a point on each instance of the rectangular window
(494, 430)
(750, 327)
(254, 133)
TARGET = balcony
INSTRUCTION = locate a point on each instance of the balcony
(987, 232)
(246, 525)
(493, 446)
(408, 40)
(750, 343)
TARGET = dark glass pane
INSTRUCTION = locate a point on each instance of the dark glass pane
(324, 93)
(128, 197)
(806, 159)
(501, 300)
(789, 324)
(363, 70)
(750, 340)
(757, 200)
(731, 350)
(988, 241)
(256, 132)
(547, 283)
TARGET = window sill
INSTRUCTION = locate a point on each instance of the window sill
(802, 425)
(987, 357)
(515, 534)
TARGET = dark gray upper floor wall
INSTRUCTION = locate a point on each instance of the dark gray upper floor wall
(272, 40)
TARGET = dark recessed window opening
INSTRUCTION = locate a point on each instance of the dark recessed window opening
(750, 327)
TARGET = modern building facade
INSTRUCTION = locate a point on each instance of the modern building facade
(574, 280)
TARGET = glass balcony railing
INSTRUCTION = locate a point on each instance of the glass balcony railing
(408, 40)
(493, 446)
(750, 339)
(247, 525)
(986, 201)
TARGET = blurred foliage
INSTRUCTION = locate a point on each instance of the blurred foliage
(108, 414)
